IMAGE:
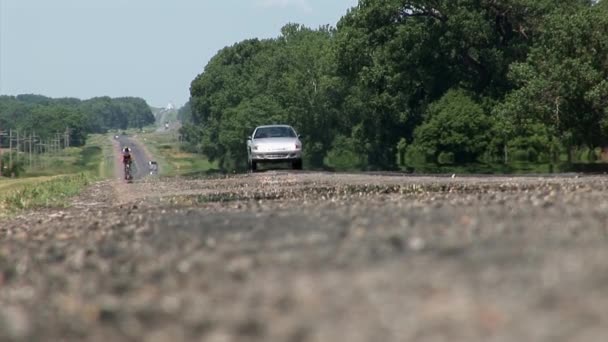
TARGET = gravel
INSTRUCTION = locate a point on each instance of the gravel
(306, 256)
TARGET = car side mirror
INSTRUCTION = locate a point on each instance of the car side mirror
(249, 137)
(300, 136)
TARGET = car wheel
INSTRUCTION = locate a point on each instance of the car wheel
(297, 165)
(253, 166)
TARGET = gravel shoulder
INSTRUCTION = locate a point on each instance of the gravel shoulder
(288, 256)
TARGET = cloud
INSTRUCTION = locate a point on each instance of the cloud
(303, 5)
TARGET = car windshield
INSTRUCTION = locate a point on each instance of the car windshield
(274, 132)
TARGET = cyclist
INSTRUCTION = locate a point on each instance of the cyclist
(126, 161)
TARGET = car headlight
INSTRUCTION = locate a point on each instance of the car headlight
(298, 146)
(254, 147)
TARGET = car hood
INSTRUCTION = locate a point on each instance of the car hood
(275, 141)
(267, 144)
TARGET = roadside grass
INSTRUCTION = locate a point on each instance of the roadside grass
(93, 158)
(56, 178)
(54, 192)
(172, 161)
(9, 184)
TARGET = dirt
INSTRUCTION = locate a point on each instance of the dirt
(304, 256)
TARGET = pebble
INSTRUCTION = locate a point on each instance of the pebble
(416, 244)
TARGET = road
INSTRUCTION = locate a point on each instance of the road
(140, 156)
(305, 256)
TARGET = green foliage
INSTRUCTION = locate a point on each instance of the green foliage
(399, 56)
(402, 149)
(344, 155)
(104, 113)
(446, 158)
(184, 114)
(11, 169)
(52, 193)
(563, 84)
(456, 126)
(95, 158)
(46, 116)
(172, 159)
(283, 80)
(415, 80)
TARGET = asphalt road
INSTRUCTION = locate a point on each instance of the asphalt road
(304, 256)
(139, 155)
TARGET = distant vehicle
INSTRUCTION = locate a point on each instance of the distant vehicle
(272, 144)
(153, 167)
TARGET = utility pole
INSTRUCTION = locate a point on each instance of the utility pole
(31, 140)
(67, 137)
(34, 143)
(10, 150)
(58, 142)
(42, 149)
(48, 149)
(18, 147)
(1, 163)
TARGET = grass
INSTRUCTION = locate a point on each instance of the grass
(54, 192)
(95, 158)
(53, 179)
(8, 184)
(171, 159)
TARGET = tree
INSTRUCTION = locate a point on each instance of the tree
(184, 114)
(283, 80)
(563, 84)
(47, 116)
(396, 57)
(457, 125)
(405, 75)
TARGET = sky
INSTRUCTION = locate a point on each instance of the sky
(151, 49)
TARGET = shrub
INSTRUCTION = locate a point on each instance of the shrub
(343, 155)
(446, 158)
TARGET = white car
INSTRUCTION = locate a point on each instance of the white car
(274, 143)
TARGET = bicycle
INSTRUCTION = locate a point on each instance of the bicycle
(128, 173)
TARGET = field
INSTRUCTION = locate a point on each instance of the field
(95, 158)
(172, 160)
(56, 178)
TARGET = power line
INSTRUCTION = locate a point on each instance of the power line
(25, 148)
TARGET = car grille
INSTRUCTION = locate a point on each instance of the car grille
(276, 155)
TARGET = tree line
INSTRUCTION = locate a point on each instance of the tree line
(47, 116)
(398, 81)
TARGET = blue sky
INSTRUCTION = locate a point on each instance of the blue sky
(147, 48)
